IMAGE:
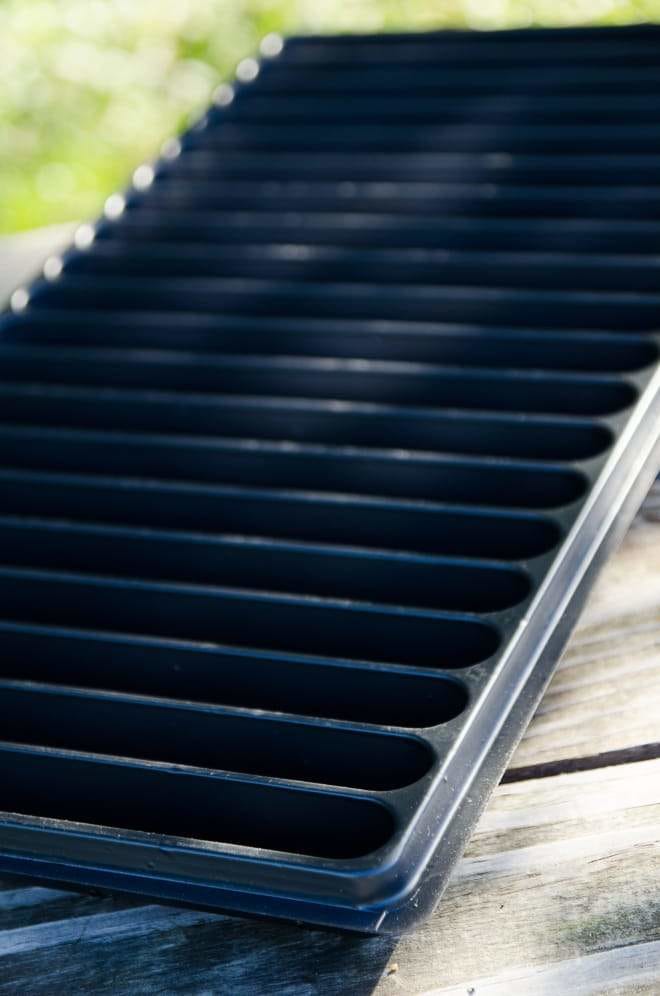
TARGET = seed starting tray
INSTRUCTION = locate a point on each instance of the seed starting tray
(310, 450)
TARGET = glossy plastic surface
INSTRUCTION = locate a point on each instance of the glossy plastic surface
(309, 453)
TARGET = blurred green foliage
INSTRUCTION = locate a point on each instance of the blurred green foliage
(90, 88)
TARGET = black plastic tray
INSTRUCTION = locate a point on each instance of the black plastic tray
(309, 452)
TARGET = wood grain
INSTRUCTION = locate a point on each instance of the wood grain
(560, 870)
(605, 695)
(623, 971)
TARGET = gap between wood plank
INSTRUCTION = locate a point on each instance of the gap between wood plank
(570, 765)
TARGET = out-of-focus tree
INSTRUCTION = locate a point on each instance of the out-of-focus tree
(89, 88)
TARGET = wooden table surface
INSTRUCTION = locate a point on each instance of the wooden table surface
(559, 890)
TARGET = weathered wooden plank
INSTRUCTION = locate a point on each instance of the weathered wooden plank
(559, 870)
(610, 973)
(23, 908)
(118, 925)
(630, 582)
(605, 695)
(12, 899)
